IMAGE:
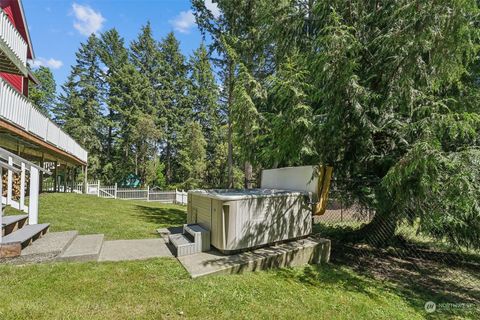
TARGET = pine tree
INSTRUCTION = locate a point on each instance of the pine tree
(146, 58)
(114, 56)
(204, 97)
(192, 156)
(138, 134)
(79, 110)
(238, 43)
(173, 89)
(43, 95)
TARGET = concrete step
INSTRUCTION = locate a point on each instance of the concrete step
(200, 236)
(193, 229)
(12, 223)
(26, 234)
(83, 248)
(182, 245)
(48, 247)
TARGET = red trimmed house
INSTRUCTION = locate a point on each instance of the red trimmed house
(30, 143)
(23, 129)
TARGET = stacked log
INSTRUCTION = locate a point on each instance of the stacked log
(16, 185)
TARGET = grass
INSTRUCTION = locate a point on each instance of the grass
(162, 289)
(117, 219)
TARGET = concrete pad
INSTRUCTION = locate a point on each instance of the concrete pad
(290, 254)
(120, 250)
(46, 248)
(83, 248)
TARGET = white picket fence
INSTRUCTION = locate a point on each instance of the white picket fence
(115, 192)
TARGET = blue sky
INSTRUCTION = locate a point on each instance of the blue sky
(57, 27)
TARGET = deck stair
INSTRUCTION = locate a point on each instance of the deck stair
(13, 223)
(193, 239)
(18, 231)
(26, 234)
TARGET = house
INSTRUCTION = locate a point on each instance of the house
(31, 145)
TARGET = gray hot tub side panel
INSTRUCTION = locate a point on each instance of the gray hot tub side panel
(251, 222)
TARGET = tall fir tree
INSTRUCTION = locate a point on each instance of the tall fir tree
(192, 156)
(79, 109)
(173, 90)
(130, 96)
(204, 98)
(114, 56)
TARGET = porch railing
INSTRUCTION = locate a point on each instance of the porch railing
(17, 109)
(12, 38)
(10, 165)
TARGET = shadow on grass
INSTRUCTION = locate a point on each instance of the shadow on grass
(332, 276)
(163, 217)
(415, 271)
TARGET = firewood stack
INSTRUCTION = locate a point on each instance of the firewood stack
(16, 185)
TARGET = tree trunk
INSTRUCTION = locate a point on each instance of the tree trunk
(168, 171)
(230, 129)
(248, 175)
(378, 233)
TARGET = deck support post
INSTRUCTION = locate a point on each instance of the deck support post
(65, 176)
(42, 163)
(55, 177)
(72, 179)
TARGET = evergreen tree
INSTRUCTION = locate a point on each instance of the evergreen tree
(79, 110)
(147, 59)
(137, 133)
(173, 89)
(373, 89)
(43, 95)
(192, 156)
(114, 56)
(241, 50)
(204, 97)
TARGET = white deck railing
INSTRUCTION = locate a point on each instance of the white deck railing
(13, 164)
(18, 110)
(12, 38)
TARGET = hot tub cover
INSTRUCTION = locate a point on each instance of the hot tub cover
(239, 194)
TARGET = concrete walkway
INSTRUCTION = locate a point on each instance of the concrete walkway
(69, 246)
(121, 250)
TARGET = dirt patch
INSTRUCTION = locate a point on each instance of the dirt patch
(427, 274)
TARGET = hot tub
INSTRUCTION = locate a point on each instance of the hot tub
(245, 219)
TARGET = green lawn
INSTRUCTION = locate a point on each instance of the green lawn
(117, 219)
(162, 289)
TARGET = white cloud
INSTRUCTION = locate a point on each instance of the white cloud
(87, 20)
(213, 7)
(186, 20)
(51, 63)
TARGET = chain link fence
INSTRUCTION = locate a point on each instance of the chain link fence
(442, 278)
